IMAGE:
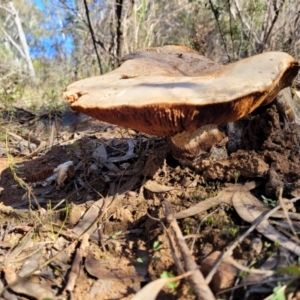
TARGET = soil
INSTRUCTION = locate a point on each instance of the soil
(265, 140)
(113, 163)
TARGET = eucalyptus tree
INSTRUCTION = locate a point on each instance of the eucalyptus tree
(15, 46)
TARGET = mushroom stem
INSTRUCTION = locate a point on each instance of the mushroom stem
(207, 141)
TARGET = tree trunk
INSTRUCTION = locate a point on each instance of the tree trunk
(119, 8)
(22, 38)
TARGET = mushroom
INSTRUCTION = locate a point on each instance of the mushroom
(175, 92)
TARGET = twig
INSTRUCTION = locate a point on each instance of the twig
(219, 28)
(276, 11)
(270, 281)
(231, 28)
(14, 43)
(119, 37)
(76, 263)
(248, 270)
(196, 280)
(92, 35)
(80, 236)
(245, 24)
(172, 244)
(39, 148)
(207, 216)
(261, 218)
(285, 211)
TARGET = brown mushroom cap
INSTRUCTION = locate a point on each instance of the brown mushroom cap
(166, 61)
(156, 90)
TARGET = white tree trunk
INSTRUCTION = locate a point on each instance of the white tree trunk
(22, 37)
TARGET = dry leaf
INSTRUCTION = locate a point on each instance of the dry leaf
(91, 215)
(98, 269)
(224, 196)
(155, 187)
(129, 154)
(246, 206)
(20, 247)
(100, 153)
(249, 209)
(24, 286)
(224, 276)
(48, 175)
(5, 209)
(32, 263)
(62, 172)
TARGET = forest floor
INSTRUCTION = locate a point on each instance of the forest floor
(90, 210)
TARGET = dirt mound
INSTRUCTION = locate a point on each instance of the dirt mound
(266, 140)
(278, 143)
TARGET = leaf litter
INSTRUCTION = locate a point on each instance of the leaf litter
(94, 232)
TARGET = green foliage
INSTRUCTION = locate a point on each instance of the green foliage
(156, 246)
(230, 232)
(236, 176)
(268, 201)
(117, 233)
(140, 12)
(9, 94)
(278, 294)
(292, 270)
(187, 230)
(171, 285)
(210, 220)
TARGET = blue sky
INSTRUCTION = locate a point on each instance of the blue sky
(47, 45)
(39, 3)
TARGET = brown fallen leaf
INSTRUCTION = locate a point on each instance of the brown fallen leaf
(246, 206)
(5, 209)
(280, 258)
(24, 286)
(224, 196)
(75, 268)
(31, 264)
(225, 274)
(89, 218)
(97, 269)
(249, 209)
(155, 187)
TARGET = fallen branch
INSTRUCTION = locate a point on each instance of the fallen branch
(76, 263)
(196, 279)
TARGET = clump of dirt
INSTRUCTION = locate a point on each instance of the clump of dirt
(241, 163)
(266, 140)
(277, 143)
